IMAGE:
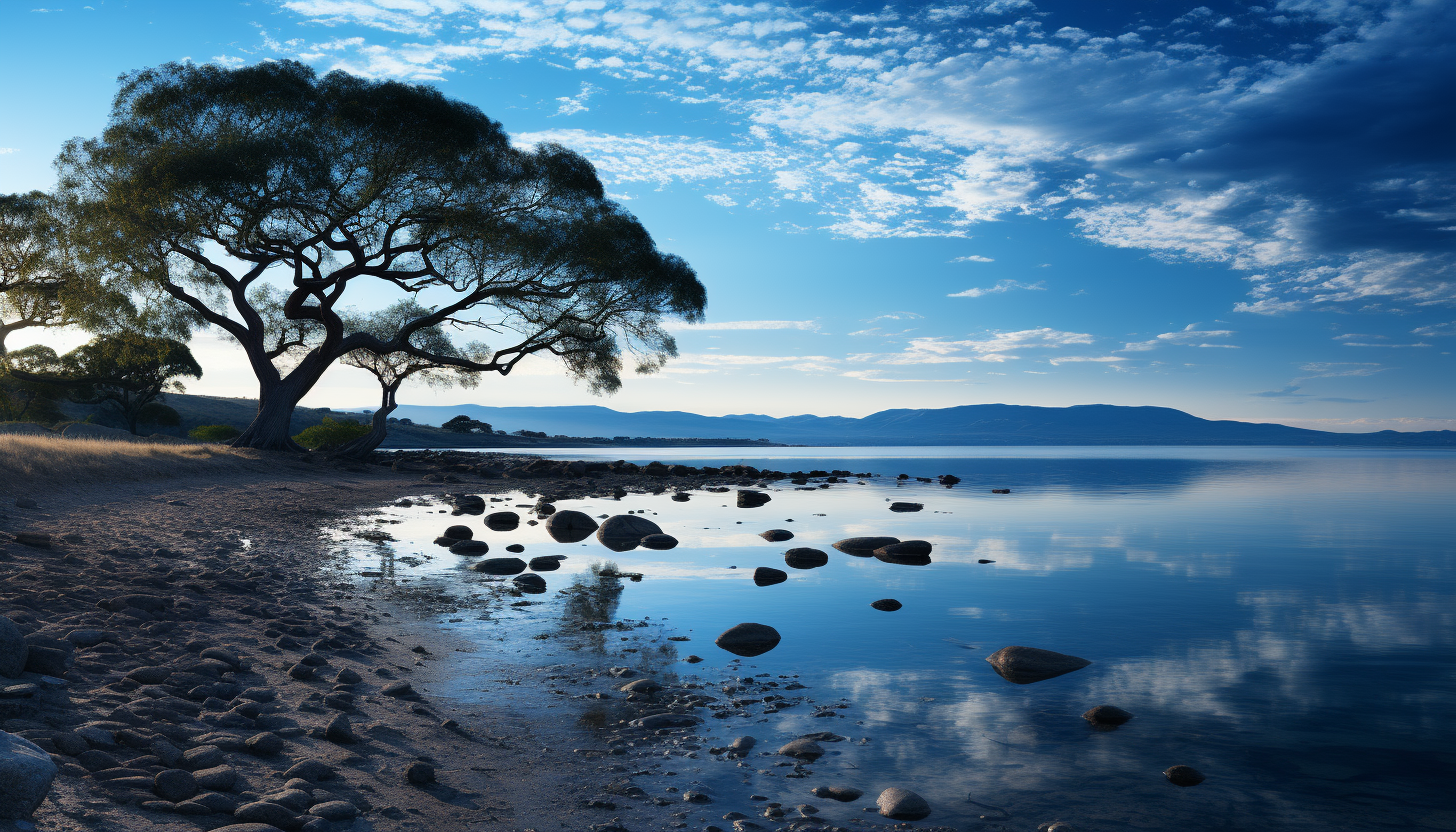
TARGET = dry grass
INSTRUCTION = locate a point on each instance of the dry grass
(55, 460)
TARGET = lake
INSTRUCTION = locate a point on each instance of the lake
(1281, 619)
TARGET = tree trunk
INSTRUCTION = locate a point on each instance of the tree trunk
(378, 428)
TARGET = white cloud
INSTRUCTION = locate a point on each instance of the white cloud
(999, 288)
(907, 126)
(678, 326)
(1188, 336)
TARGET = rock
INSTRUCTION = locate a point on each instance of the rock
(546, 563)
(47, 661)
(655, 721)
(902, 507)
(311, 770)
(805, 558)
(752, 499)
(1024, 665)
(863, 547)
(502, 521)
(776, 535)
(341, 731)
(570, 526)
(399, 690)
(264, 745)
(419, 773)
(844, 794)
(174, 785)
(203, 756)
(624, 532)
(268, 813)
(459, 533)
(802, 749)
(530, 583)
(13, 649)
(768, 576)
(748, 639)
(659, 542)
(1184, 776)
(500, 566)
(34, 540)
(26, 774)
(902, 804)
(1108, 715)
(515, 548)
(886, 605)
(336, 810)
(469, 547)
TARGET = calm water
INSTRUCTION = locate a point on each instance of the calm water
(1280, 619)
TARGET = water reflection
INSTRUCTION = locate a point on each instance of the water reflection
(1285, 626)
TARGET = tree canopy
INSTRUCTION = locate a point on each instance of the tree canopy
(209, 184)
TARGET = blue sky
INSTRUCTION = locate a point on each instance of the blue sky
(1242, 210)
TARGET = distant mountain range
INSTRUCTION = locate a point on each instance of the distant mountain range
(979, 424)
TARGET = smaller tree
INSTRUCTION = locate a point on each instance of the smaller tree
(131, 374)
(465, 424)
(28, 392)
(392, 369)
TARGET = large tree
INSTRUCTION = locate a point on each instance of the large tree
(208, 183)
(392, 369)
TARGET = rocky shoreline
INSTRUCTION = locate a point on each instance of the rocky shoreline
(188, 664)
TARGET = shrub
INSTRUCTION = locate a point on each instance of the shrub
(213, 433)
(330, 434)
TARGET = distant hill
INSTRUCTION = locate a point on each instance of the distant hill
(981, 424)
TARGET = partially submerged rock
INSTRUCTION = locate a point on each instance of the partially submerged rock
(624, 532)
(570, 526)
(748, 639)
(1024, 665)
(902, 804)
(863, 547)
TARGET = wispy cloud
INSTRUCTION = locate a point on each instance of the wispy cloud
(999, 288)
(1188, 336)
(899, 124)
(679, 326)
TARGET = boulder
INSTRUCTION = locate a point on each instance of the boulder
(530, 583)
(469, 547)
(805, 558)
(768, 576)
(624, 532)
(1107, 715)
(26, 774)
(776, 535)
(802, 749)
(13, 649)
(886, 605)
(863, 547)
(902, 804)
(748, 639)
(1184, 776)
(904, 507)
(659, 542)
(502, 521)
(752, 499)
(1024, 665)
(500, 566)
(570, 526)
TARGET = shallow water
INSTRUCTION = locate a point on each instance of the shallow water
(1280, 619)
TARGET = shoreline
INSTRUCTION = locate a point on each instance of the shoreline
(182, 541)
